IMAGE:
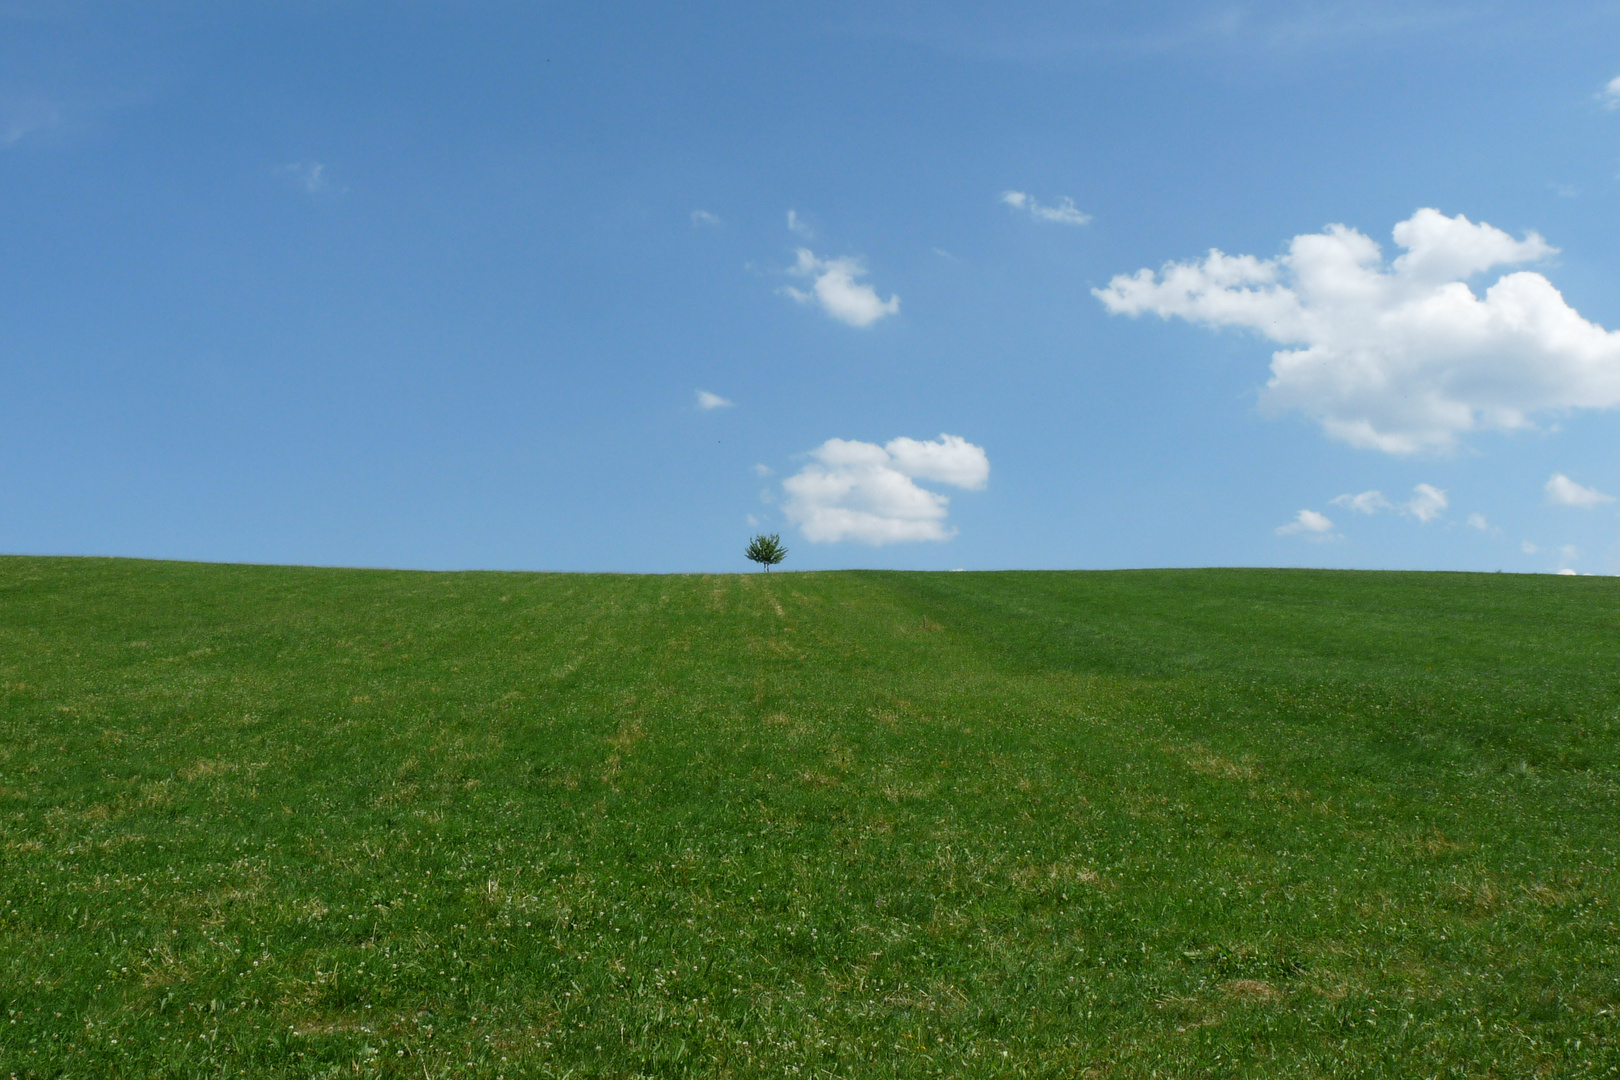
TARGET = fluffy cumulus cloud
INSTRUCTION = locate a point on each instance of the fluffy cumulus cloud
(834, 286)
(861, 491)
(706, 401)
(1401, 357)
(1308, 523)
(1064, 213)
(1562, 491)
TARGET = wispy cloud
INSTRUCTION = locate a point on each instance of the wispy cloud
(835, 288)
(796, 224)
(309, 176)
(1048, 34)
(761, 469)
(1368, 502)
(21, 117)
(1309, 524)
(707, 401)
(1427, 503)
(1064, 213)
(868, 493)
(1477, 521)
(1610, 94)
(1562, 491)
(701, 218)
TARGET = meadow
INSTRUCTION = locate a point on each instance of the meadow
(284, 822)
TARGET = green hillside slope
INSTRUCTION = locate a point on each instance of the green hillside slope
(268, 821)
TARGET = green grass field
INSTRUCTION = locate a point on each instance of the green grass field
(265, 821)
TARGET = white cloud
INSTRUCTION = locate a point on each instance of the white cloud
(1610, 94)
(708, 401)
(701, 218)
(1404, 357)
(1477, 521)
(950, 459)
(1368, 502)
(1313, 525)
(760, 469)
(309, 175)
(1567, 572)
(868, 493)
(798, 225)
(1427, 503)
(1562, 491)
(1064, 213)
(838, 292)
(1528, 548)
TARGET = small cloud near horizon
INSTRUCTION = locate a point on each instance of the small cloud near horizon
(1562, 491)
(861, 491)
(1309, 524)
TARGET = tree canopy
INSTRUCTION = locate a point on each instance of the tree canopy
(766, 550)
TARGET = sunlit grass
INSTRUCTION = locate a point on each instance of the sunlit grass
(288, 822)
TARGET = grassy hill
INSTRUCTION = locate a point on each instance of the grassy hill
(268, 821)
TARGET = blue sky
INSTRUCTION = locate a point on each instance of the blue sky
(440, 285)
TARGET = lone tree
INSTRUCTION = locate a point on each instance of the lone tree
(766, 550)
